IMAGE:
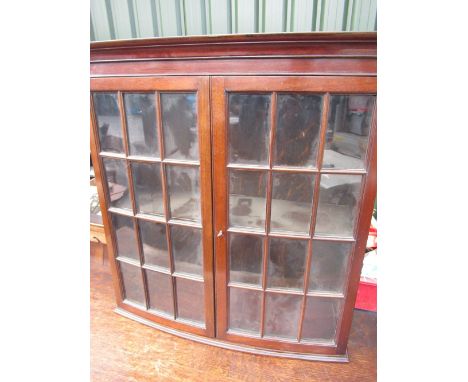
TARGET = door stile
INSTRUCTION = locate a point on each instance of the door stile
(219, 119)
(206, 201)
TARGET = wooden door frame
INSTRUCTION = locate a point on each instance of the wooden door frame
(199, 84)
(220, 85)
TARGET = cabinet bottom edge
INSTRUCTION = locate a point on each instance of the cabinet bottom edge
(232, 346)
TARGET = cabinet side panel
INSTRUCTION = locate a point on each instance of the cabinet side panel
(365, 214)
(97, 164)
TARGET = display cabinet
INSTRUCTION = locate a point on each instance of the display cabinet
(236, 177)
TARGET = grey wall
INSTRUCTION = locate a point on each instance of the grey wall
(124, 19)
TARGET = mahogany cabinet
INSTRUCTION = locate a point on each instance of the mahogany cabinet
(237, 175)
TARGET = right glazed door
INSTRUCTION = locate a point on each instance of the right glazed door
(293, 174)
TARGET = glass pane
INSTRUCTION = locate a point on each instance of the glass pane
(247, 201)
(160, 292)
(298, 130)
(286, 262)
(328, 268)
(249, 128)
(320, 318)
(187, 250)
(244, 309)
(179, 121)
(282, 314)
(125, 236)
(148, 188)
(154, 243)
(291, 204)
(184, 192)
(337, 206)
(245, 254)
(348, 131)
(106, 108)
(143, 137)
(117, 182)
(190, 300)
(133, 283)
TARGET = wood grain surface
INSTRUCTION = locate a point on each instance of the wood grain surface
(325, 43)
(124, 350)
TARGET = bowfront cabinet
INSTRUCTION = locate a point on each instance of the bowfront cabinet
(237, 177)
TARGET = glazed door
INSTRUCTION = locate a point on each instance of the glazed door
(152, 151)
(293, 178)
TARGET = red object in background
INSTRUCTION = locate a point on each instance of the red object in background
(367, 291)
(367, 295)
(372, 238)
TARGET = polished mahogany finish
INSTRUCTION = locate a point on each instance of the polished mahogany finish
(187, 84)
(333, 77)
(291, 53)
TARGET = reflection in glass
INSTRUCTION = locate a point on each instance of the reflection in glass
(117, 182)
(245, 254)
(94, 206)
(349, 121)
(140, 112)
(179, 122)
(125, 236)
(106, 108)
(328, 267)
(247, 199)
(160, 292)
(154, 243)
(133, 283)
(286, 262)
(190, 300)
(244, 310)
(337, 206)
(187, 250)
(148, 188)
(249, 128)
(297, 132)
(184, 192)
(320, 318)
(291, 204)
(282, 313)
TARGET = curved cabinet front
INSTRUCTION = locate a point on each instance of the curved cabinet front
(291, 186)
(236, 208)
(152, 153)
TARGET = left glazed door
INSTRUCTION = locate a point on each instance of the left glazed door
(150, 142)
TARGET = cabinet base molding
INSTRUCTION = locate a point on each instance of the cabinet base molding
(230, 346)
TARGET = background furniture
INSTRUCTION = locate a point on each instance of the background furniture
(97, 235)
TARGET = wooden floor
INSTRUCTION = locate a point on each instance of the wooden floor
(124, 350)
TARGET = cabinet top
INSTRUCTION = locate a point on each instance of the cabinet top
(313, 44)
(342, 54)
